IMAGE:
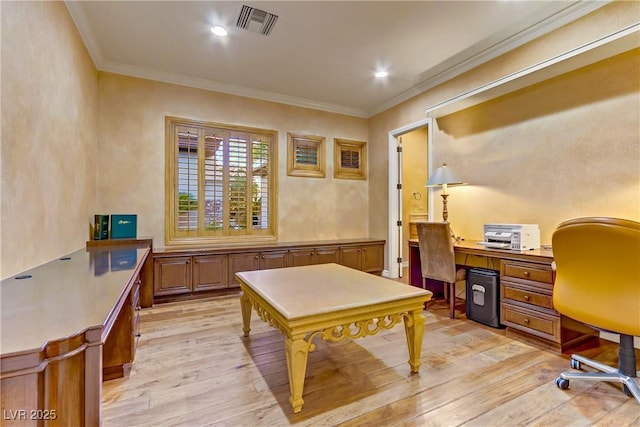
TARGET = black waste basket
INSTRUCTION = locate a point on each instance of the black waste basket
(483, 296)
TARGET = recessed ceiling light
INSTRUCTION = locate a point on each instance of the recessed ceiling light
(219, 31)
(381, 74)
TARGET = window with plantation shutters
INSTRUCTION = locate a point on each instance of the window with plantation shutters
(305, 155)
(220, 183)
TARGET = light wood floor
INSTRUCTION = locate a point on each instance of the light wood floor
(194, 368)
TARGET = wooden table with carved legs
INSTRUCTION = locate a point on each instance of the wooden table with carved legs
(333, 302)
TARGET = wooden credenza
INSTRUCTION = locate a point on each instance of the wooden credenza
(67, 325)
(188, 273)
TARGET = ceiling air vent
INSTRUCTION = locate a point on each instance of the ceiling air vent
(256, 20)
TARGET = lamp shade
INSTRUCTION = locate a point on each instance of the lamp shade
(443, 176)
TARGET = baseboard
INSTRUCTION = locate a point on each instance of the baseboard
(616, 338)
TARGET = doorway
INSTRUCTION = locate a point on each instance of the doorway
(409, 163)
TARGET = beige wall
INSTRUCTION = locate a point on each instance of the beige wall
(49, 141)
(560, 149)
(564, 148)
(132, 161)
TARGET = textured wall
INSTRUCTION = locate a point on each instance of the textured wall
(560, 149)
(49, 100)
(132, 161)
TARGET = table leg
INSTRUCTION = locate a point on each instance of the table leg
(245, 306)
(296, 351)
(414, 328)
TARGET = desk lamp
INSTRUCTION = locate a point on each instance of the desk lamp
(443, 177)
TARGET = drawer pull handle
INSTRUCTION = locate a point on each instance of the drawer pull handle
(526, 273)
(526, 297)
(526, 320)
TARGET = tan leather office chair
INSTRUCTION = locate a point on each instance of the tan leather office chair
(597, 263)
(437, 259)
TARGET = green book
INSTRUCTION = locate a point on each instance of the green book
(101, 227)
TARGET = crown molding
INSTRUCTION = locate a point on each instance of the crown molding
(565, 16)
(199, 83)
(605, 47)
(445, 72)
(86, 33)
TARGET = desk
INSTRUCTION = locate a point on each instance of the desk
(67, 325)
(331, 301)
(526, 289)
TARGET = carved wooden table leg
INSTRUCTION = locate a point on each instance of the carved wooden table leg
(414, 328)
(296, 350)
(245, 306)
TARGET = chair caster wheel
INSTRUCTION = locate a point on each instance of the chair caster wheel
(562, 383)
(575, 364)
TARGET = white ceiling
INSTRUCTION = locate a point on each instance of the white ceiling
(320, 54)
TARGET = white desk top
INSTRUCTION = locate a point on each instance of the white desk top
(316, 289)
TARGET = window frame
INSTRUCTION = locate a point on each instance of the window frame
(340, 172)
(173, 236)
(295, 168)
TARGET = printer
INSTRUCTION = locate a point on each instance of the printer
(518, 237)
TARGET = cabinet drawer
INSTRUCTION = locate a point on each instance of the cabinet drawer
(526, 296)
(539, 324)
(526, 271)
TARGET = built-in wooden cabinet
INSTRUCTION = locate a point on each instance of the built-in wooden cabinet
(351, 256)
(171, 275)
(331, 254)
(191, 273)
(301, 257)
(247, 261)
(372, 257)
(208, 272)
(273, 259)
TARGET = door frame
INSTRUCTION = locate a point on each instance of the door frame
(393, 245)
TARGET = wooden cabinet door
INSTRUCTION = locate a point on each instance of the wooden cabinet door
(373, 258)
(118, 349)
(300, 257)
(275, 259)
(209, 272)
(247, 261)
(351, 256)
(135, 318)
(327, 255)
(172, 275)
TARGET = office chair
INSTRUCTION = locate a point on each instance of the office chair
(437, 259)
(597, 263)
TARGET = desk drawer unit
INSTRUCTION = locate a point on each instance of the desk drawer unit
(527, 301)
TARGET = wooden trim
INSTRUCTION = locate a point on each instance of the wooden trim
(345, 172)
(294, 168)
(175, 237)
